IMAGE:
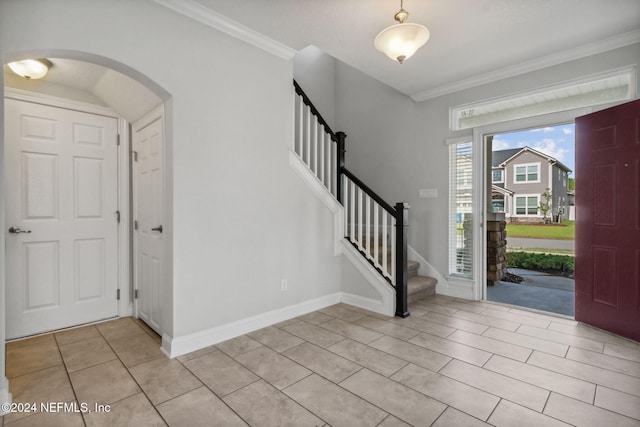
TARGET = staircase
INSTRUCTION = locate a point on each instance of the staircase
(376, 229)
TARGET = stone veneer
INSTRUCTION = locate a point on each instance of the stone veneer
(496, 251)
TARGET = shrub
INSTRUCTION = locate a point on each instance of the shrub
(540, 262)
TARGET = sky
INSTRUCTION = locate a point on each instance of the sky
(555, 141)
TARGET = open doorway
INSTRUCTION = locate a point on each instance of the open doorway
(532, 190)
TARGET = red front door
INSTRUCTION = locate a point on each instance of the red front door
(608, 219)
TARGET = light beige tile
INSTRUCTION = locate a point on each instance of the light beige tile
(260, 404)
(23, 357)
(524, 320)
(582, 414)
(612, 363)
(623, 351)
(132, 411)
(342, 311)
(466, 306)
(507, 413)
(411, 353)
(519, 392)
(119, 328)
(615, 401)
(453, 418)
(315, 317)
(428, 305)
(372, 359)
(586, 372)
(199, 408)
(392, 421)
(424, 325)
(543, 378)
(322, 362)
(399, 400)
(273, 367)
(587, 331)
(349, 330)
(527, 342)
(483, 319)
(275, 338)
(220, 373)
(164, 379)
(239, 345)
(313, 334)
(104, 384)
(561, 338)
(456, 323)
(197, 353)
(452, 349)
(49, 419)
(46, 385)
(83, 354)
(69, 336)
(468, 399)
(543, 315)
(493, 305)
(45, 339)
(491, 345)
(387, 328)
(334, 404)
(136, 349)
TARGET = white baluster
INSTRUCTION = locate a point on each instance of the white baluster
(322, 155)
(307, 136)
(347, 200)
(393, 251)
(315, 146)
(376, 234)
(353, 211)
(367, 201)
(385, 241)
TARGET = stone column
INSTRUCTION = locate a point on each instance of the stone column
(496, 248)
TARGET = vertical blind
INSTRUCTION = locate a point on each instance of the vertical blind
(461, 213)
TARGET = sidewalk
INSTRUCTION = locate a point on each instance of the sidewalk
(540, 291)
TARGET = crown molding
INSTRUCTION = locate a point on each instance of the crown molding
(200, 13)
(557, 58)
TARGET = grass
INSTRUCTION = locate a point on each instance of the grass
(566, 231)
(545, 250)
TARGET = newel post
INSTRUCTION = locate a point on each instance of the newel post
(402, 226)
(340, 143)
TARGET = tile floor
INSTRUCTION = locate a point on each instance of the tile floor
(451, 363)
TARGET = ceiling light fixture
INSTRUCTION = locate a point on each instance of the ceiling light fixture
(399, 42)
(31, 68)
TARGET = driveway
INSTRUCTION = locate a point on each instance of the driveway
(522, 242)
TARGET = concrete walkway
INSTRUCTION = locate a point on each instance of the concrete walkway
(538, 290)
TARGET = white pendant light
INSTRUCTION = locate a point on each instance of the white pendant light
(31, 68)
(399, 42)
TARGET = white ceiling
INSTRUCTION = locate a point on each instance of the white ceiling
(471, 40)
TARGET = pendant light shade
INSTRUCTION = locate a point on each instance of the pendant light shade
(399, 42)
(31, 68)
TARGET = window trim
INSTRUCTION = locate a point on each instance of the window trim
(526, 196)
(526, 165)
(501, 170)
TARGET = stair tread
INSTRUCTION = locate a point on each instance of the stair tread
(420, 283)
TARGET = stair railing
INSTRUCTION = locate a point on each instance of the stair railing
(374, 227)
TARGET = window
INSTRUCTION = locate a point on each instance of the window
(498, 175)
(527, 173)
(527, 205)
(461, 215)
(497, 202)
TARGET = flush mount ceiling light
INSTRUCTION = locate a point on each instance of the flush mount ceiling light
(31, 68)
(399, 42)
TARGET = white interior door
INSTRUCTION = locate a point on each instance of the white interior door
(148, 144)
(61, 202)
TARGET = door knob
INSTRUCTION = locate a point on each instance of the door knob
(158, 229)
(17, 230)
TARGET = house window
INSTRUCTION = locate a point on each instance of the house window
(529, 172)
(498, 176)
(527, 205)
(497, 203)
(461, 212)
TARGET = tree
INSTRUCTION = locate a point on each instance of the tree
(572, 184)
(545, 206)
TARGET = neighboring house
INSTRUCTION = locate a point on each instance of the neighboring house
(520, 177)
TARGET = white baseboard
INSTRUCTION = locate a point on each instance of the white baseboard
(366, 303)
(5, 397)
(173, 347)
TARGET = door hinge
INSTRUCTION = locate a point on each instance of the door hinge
(118, 216)
(118, 140)
(135, 224)
(135, 156)
(135, 294)
(118, 294)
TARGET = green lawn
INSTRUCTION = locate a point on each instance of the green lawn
(566, 231)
